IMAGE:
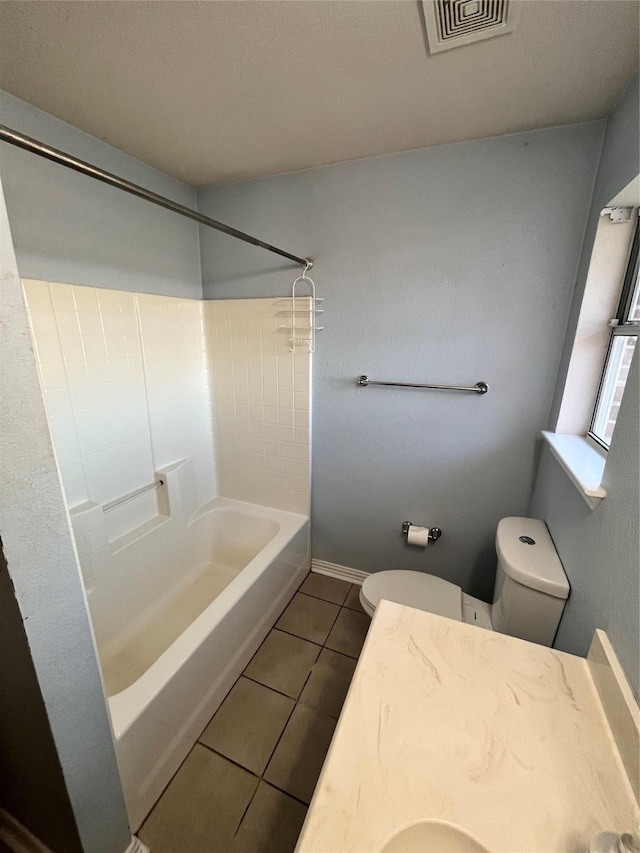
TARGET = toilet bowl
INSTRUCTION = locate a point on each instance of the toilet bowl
(530, 589)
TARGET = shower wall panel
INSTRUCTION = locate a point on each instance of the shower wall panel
(127, 392)
(262, 400)
(134, 383)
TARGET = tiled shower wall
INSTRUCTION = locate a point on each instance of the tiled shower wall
(127, 380)
(262, 400)
(126, 389)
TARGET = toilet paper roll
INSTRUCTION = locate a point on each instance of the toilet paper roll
(418, 536)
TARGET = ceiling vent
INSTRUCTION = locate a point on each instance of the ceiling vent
(454, 23)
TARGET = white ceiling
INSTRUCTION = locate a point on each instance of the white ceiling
(217, 91)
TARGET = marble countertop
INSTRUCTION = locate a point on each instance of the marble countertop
(447, 721)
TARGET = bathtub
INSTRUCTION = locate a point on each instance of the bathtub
(177, 617)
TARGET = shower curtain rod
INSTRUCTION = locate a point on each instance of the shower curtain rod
(13, 137)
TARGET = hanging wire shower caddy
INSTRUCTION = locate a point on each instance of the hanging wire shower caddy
(307, 340)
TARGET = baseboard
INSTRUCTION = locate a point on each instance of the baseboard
(333, 570)
(137, 846)
(17, 837)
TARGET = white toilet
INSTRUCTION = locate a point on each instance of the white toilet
(529, 595)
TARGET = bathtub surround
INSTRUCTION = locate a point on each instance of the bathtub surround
(141, 390)
(262, 401)
(114, 236)
(599, 549)
(134, 383)
(51, 625)
(446, 265)
(126, 387)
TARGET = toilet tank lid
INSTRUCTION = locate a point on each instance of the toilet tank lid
(534, 563)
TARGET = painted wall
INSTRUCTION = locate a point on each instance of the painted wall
(447, 265)
(599, 549)
(43, 570)
(69, 228)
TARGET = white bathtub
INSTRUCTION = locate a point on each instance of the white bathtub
(177, 617)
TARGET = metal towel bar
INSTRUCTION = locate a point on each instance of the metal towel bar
(135, 494)
(478, 388)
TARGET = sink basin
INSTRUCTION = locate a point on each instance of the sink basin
(433, 836)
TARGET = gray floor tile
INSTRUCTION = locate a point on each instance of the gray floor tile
(272, 823)
(283, 662)
(352, 600)
(328, 683)
(297, 761)
(247, 725)
(202, 807)
(309, 618)
(330, 589)
(348, 632)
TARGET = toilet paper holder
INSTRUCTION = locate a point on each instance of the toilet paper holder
(434, 532)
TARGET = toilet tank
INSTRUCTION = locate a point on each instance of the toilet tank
(531, 587)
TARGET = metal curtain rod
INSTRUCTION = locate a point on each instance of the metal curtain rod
(478, 388)
(42, 150)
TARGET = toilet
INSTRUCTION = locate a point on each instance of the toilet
(529, 594)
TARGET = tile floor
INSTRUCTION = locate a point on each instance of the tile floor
(246, 784)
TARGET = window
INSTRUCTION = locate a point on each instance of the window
(622, 342)
(602, 348)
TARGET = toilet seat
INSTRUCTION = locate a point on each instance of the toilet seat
(413, 589)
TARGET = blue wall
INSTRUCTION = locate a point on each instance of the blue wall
(600, 549)
(67, 227)
(447, 265)
(450, 264)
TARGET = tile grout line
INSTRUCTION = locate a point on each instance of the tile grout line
(339, 606)
(265, 640)
(160, 796)
(255, 775)
(296, 701)
(248, 806)
(314, 595)
(324, 646)
(295, 705)
(272, 753)
(275, 690)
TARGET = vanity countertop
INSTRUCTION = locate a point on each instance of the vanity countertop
(447, 721)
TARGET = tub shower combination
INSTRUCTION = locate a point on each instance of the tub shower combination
(177, 617)
(200, 400)
(182, 432)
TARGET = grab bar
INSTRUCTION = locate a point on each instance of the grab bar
(135, 494)
(478, 388)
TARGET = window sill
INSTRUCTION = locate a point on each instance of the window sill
(582, 462)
